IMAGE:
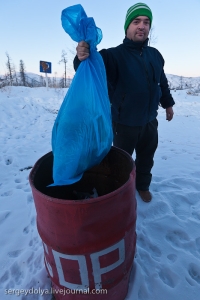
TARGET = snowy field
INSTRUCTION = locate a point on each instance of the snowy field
(167, 262)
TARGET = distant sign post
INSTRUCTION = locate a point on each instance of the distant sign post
(45, 67)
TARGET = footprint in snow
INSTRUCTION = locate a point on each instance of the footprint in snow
(30, 259)
(16, 273)
(164, 157)
(158, 178)
(6, 194)
(190, 281)
(196, 214)
(17, 180)
(33, 221)
(157, 211)
(194, 272)
(172, 257)
(4, 278)
(190, 184)
(4, 215)
(154, 251)
(29, 199)
(8, 160)
(197, 158)
(38, 263)
(26, 229)
(197, 241)
(10, 285)
(20, 136)
(21, 186)
(168, 277)
(180, 210)
(35, 243)
(15, 253)
(177, 238)
(182, 205)
(24, 187)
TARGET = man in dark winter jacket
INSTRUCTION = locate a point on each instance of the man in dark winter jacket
(137, 85)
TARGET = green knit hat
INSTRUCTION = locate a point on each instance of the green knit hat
(139, 9)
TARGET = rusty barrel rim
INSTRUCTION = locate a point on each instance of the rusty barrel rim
(82, 201)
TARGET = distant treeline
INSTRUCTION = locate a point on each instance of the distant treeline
(20, 78)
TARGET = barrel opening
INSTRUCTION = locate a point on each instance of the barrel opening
(109, 175)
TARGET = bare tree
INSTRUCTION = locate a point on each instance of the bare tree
(22, 72)
(72, 50)
(61, 83)
(181, 82)
(152, 37)
(49, 82)
(42, 82)
(10, 68)
(64, 61)
(190, 83)
(15, 78)
(54, 80)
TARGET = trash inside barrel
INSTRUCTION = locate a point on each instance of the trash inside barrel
(89, 244)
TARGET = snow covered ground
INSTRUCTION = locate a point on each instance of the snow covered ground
(167, 262)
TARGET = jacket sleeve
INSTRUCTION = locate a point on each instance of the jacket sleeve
(76, 62)
(110, 66)
(109, 62)
(166, 99)
(111, 70)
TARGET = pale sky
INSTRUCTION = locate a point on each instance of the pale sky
(32, 31)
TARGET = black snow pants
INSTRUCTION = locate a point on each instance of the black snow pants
(142, 139)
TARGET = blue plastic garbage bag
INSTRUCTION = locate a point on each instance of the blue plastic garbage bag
(82, 132)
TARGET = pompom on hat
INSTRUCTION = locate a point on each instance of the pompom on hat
(139, 9)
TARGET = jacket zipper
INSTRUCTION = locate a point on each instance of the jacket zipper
(147, 76)
(120, 105)
(154, 76)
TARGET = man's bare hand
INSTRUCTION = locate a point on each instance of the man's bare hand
(83, 50)
(169, 113)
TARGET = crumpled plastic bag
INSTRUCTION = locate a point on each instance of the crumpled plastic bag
(82, 132)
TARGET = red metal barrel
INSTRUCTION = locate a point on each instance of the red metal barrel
(89, 244)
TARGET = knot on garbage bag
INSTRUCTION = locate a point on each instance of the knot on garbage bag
(80, 27)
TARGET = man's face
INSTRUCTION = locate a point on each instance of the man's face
(138, 29)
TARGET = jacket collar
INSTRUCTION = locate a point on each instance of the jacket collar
(135, 45)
